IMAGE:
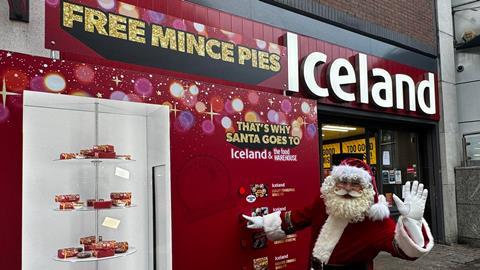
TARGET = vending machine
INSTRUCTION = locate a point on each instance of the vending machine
(264, 159)
(112, 184)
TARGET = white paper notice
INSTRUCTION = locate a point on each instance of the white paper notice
(120, 172)
(398, 177)
(111, 223)
(386, 158)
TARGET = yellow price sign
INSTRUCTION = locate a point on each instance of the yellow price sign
(359, 147)
(327, 151)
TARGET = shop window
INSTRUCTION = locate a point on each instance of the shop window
(471, 149)
(341, 141)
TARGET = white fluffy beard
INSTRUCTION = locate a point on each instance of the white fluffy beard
(352, 209)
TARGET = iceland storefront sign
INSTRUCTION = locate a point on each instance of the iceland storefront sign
(134, 35)
(386, 90)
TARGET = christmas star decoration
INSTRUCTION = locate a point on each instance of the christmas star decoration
(211, 113)
(5, 93)
(99, 95)
(174, 110)
(116, 80)
(305, 123)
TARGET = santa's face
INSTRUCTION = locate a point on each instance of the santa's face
(346, 198)
(348, 190)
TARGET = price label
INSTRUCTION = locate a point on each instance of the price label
(359, 147)
(327, 151)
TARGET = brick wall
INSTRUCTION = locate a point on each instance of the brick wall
(412, 18)
(403, 21)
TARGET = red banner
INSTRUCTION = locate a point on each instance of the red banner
(122, 32)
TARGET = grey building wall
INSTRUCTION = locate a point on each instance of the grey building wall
(24, 37)
(468, 205)
(468, 80)
(448, 127)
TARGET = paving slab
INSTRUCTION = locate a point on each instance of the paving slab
(441, 257)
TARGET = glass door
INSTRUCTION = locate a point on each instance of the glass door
(399, 160)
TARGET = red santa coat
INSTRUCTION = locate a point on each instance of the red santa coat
(359, 242)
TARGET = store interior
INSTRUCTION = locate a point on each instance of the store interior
(393, 155)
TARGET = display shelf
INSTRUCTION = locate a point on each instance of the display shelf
(130, 251)
(86, 209)
(94, 160)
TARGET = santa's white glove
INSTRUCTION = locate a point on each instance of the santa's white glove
(254, 222)
(412, 209)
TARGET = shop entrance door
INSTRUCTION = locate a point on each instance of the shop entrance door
(393, 154)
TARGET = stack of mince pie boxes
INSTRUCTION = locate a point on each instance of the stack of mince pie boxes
(72, 201)
(104, 151)
(92, 247)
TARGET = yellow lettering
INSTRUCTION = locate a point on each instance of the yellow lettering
(263, 60)
(166, 40)
(229, 137)
(117, 26)
(69, 15)
(244, 54)
(227, 52)
(275, 62)
(95, 19)
(210, 44)
(136, 30)
(254, 58)
(181, 41)
(198, 45)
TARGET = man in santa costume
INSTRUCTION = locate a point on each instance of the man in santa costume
(351, 222)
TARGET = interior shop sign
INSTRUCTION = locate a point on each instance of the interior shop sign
(385, 90)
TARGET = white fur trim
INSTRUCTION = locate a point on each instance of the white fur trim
(407, 245)
(379, 211)
(272, 225)
(328, 238)
(351, 172)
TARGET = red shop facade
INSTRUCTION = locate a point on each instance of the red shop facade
(254, 117)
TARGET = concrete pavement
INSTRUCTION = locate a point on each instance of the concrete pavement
(440, 258)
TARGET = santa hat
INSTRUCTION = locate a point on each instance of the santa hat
(356, 169)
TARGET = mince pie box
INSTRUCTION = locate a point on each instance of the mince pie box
(105, 155)
(102, 204)
(121, 247)
(67, 206)
(102, 253)
(67, 155)
(120, 195)
(104, 148)
(90, 202)
(122, 203)
(64, 253)
(88, 240)
(104, 245)
(67, 198)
